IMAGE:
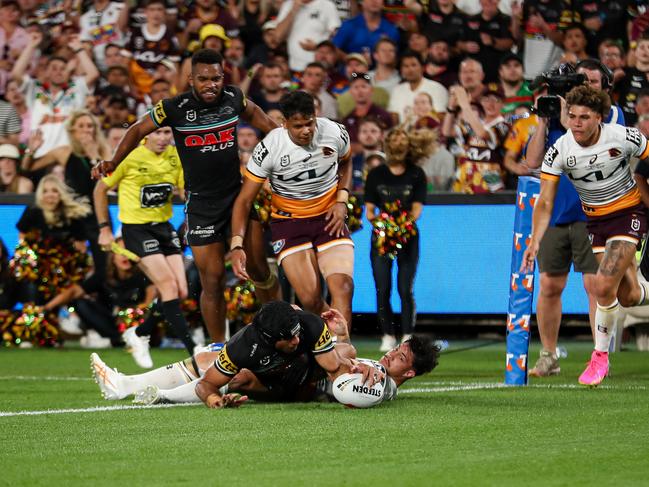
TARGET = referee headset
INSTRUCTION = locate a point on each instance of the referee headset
(607, 74)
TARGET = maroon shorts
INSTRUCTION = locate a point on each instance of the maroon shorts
(292, 235)
(629, 225)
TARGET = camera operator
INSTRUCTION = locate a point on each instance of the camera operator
(566, 241)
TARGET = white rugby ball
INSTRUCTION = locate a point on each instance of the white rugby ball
(348, 389)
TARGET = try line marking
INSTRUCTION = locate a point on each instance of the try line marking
(98, 409)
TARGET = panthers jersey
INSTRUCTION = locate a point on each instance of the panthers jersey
(304, 180)
(282, 373)
(600, 173)
(206, 138)
(146, 183)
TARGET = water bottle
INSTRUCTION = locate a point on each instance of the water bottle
(561, 352)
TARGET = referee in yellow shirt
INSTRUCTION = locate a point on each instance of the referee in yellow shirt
(145, 182)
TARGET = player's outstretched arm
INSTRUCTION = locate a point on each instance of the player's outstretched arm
(540, 221)
(136, 132)
(335, 364)
(256, 117)
(240, 213)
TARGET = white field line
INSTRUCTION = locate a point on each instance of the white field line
(98, 409)
(42, 378)
(499, 385)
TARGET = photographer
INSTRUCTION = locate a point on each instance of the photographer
(566, 241)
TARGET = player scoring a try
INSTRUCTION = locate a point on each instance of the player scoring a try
(204, 122)
(595, 157)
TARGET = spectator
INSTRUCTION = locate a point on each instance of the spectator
(101, 25)
(303, 24)
(13, 39)
(211, 36)
(8, 288)
(612, 54)
(314, 82)
(370, 138)
(515, 87)
(471, 77)
(403, 96)
(436, 161)
(423, 115)
(117, 113)
(271, 90)
(399, 179)
(10, 180)
(114, 56)
(17, 100)
(642, 103)
(603, 20)
(438, 64)
(53, 101)
(150, 45)
(385, 73)
(477, 146)
(362, 32)
(418, 43)
(327, 55)
(643, 125)
(486, 37)
(515, 146)
(538, 25)
(113, 135)
(252, 14)
(636, 79)
(10, 124)
(361, 92)
(233, 62)
(247, 137)
(575, 43)
(201, 13)
(263, 52)
(441, 20)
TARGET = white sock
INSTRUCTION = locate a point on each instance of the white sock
(644, 294)
(605, 321)
(183, 393)
(168, 377)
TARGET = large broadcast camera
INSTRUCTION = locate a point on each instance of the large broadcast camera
(559, 81)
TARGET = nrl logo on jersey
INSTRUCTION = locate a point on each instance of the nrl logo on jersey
(191, 115)
(285, 161)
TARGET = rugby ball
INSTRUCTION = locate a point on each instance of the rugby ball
(348, 389)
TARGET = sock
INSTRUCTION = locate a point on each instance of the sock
(168, 377)
(146, 328)
(605, 320)
(644, 294)
(183, 393)
(178, 324)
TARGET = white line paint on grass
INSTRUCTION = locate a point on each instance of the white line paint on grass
(98, 409)
(52, 378)
(499, 385)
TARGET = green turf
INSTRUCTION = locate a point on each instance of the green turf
(539, 435)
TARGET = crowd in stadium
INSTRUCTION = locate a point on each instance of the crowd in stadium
(454, 78)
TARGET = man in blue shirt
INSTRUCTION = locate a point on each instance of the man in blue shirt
(360, 33)
(566, 241)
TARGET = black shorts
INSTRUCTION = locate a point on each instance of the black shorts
(151, 238)
(208, 219)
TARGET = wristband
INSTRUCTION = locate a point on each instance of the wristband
(236, 241)
(103, 224)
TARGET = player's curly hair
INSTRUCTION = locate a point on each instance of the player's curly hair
(425, 354)
(297, 103)
(585, 96)
(206, 56)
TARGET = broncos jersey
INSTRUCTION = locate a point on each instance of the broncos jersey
(304, 180)
(601, 172)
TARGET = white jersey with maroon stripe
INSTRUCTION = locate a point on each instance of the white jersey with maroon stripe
(304, 179)
(601, 172)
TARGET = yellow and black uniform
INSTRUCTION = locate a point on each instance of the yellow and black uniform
(146, 182)
(286, 375)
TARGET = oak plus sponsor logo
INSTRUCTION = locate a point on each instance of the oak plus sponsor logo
(211, 141)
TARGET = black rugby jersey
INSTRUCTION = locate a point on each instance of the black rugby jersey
(246, 349)
(206, 139)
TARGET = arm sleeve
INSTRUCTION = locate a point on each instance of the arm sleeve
(159, 113)
(636, 143)
(317, 333)
(345, 145)
(551, 166)
(224, 363)
(260, 162)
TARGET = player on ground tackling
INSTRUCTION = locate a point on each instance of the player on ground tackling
(595, 157)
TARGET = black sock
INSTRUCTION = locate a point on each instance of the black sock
(178, 324)
(146, 328)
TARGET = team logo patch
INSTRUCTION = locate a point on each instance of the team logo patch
(572, 161)
(159, 113)
(635, 224)
(278, 245)
(150, 245)
(259, 154)
(592, 160)
(285, 161)
(190, 115)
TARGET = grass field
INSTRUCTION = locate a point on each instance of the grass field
(456, 426)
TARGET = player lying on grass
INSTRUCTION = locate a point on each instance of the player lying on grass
(177, 382)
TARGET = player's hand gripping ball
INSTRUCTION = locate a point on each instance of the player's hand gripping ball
(348, 389)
